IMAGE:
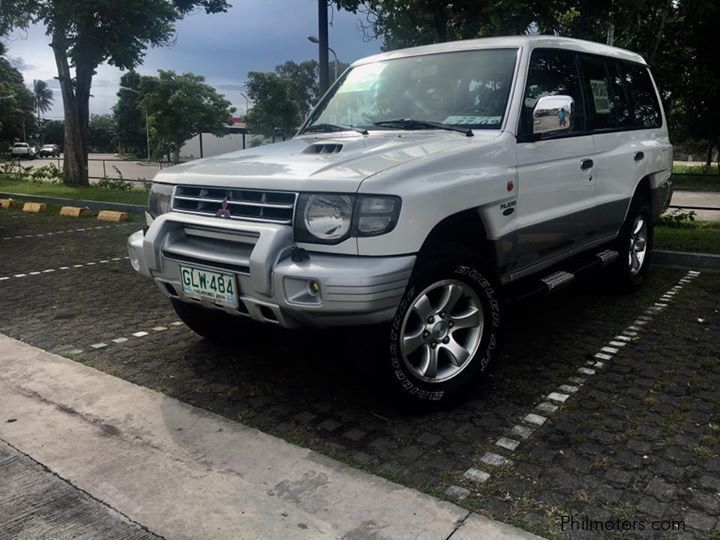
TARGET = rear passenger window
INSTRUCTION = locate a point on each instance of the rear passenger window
(619, 96)
(646, 109)
(552, 72)
(601, 109)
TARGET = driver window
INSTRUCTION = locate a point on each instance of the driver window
(552, 72)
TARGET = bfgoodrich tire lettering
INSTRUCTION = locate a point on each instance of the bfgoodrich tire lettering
(412, 379)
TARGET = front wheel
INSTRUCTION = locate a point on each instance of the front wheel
(446, 331)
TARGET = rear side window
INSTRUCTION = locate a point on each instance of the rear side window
(645, 106)
(602, 113)
(552, 72)
(619, 95)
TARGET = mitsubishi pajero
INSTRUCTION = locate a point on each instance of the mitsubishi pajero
(425, 184)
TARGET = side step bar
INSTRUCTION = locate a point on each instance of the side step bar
(559, 278)
(607, 256)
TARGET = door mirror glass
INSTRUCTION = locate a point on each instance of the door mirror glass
(553, 114)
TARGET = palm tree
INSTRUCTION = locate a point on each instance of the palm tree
(43, 97)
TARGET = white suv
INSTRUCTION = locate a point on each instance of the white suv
(424, 184)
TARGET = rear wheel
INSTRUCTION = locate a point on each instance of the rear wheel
(213, 325)
(634, 244)
(446, 330)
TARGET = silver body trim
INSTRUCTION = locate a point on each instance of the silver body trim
(354, 290)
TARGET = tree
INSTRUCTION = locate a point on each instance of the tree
(129, 118)
(181, 106)
(86, 33)
(274, 111)
(16, 104)
(302, 83)
(43, 97)
(53, 132)
(102, 133)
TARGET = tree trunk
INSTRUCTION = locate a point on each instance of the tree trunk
(709, 155)
(75, 171)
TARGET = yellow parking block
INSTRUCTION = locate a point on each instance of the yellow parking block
(73, 211)
(35, 207)
(111, 215)
(7, 203)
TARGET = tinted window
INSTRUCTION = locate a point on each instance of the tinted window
(552, 72)
(619, 96)
(600, 105)
(646, 110)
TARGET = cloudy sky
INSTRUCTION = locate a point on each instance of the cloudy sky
(255, 35)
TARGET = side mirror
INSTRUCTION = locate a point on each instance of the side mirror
(553, 114)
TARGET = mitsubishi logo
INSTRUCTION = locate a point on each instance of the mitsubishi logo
(224, 211)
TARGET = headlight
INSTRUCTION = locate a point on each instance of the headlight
(324, 218)
(159, 200)
(329, 219)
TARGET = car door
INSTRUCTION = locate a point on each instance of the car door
(619, 151)
(554, 170)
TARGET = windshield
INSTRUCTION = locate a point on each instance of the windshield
(466, 89)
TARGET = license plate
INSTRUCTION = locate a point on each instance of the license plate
(214, 286)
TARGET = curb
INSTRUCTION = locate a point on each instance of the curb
(93, 205)
(682, 259)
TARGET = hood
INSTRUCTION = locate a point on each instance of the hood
(318, 163)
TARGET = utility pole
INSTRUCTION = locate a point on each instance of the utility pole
(323, 45)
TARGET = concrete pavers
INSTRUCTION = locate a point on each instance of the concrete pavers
(185, 473)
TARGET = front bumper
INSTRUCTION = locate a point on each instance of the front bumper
(273, 288)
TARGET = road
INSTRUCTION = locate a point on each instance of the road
(699, 198)
(108, 165)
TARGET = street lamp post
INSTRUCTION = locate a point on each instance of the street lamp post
(314, 39)
(147, 124)
(247, 103)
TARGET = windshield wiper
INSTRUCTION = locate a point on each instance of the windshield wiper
(326, 128)
(412, 123)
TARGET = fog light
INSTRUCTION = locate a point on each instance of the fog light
(314, 288)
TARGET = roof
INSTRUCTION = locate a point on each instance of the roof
(531, 42)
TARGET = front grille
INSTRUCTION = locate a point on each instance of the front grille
(243, 204)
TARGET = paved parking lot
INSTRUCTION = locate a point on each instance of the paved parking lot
(612, 398)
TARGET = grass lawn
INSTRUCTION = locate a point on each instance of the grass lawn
(92, 193)
(696, 183)
(702, 237)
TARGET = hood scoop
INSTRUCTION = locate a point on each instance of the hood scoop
(323, 148)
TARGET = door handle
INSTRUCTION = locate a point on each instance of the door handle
(638, 156)
(586, 164)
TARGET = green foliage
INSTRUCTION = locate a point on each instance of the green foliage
(677, 219)
(129, 118)
(46, 173)
(102, 136)
(119, 183)
(180, 106)
(53, 132)
(274, 110)
(43, 97)
(16, 105)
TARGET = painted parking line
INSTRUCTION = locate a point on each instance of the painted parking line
(62, 268)
(131, 336)
(55, 233)
(549, 404)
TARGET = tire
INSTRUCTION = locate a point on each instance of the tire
(634, 244)
(211, 324)
(430, 363)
